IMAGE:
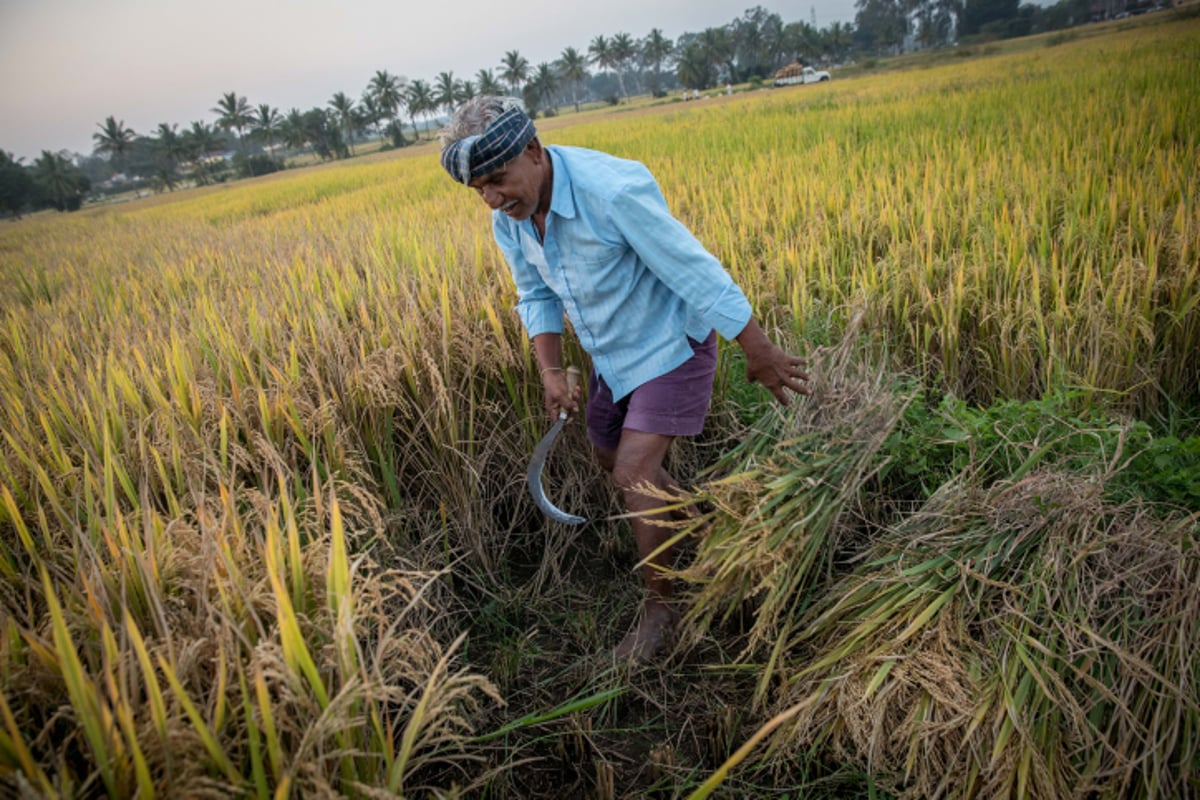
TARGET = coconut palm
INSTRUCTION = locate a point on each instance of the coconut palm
(656, 49)
(718, 48)
(322, 130)
(463, 91)
(266, 123)
(168, 140)
(293, 130)
(600, 53)
(60, 181)
(572, 68)
(541, 85)
(755, 36)
(694, 69)
(799, 40)
(344, 111)
(233, 113)
(622, 49)
(113, 139)
(171, 150)
(201, 138)
(773, 40)
(16, 184)
(198, 142)
(369, 112)
(514, 69)
(486, 82)
(419, 98)
(839, 37)
(387, 90)
(443, 91)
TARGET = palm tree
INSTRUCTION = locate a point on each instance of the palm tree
(60, 180)
(198, 141)
(757, 38)
(343, 109)
(202, 138)
(622, 49)
(604, 55)
(656, 49)
(444, 91)
(572, 68)
(799, 40)
(514, 70)
(171, 149)
(773, 39)
(541, 85)
(463, 91)
(388, 93)
(369, 112)
(267, 123)
(169, 141)
(600, 53)
(839, 37)
(487, 83)
(419, 99)
(113, 139)
(294, 131)
(321, 131)
(694, 69)
(719, 50)
(234, 114)
(16, 184)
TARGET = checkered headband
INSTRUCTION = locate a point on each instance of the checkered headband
(504, 139)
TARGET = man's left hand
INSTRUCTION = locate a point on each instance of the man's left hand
(774, 368)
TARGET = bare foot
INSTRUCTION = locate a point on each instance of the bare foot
(647, 638)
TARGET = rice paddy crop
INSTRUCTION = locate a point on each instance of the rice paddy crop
(263, 529)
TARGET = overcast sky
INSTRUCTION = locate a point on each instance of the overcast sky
(68, 64)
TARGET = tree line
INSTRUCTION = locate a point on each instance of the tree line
(246, 140)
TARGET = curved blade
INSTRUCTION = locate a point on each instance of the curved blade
(534, 477)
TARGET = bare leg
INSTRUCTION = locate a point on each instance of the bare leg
(638, 460)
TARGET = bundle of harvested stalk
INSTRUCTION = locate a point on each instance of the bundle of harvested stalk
(1023, 641)
(785, 501)
(1020, 636)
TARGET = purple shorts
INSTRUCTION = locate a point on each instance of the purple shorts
(674, 404)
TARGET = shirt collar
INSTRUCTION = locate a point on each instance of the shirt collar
(562, 200)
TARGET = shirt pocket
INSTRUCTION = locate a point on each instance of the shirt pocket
(594, 251)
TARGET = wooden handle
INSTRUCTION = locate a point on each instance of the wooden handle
(573, 376)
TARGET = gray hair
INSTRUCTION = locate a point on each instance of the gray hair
(473, 117)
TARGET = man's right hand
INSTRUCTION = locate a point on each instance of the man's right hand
(556, 395)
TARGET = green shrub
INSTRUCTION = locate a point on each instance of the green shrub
(1166, 471)
(937, 440)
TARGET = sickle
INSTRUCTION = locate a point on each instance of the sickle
(534, 476)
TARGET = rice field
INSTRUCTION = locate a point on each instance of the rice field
(264, 531)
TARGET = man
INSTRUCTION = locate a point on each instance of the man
(589, 235)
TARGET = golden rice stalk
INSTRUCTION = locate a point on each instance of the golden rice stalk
(1027, 641)
(787, 501)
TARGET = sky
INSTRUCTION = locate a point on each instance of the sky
(69, 64)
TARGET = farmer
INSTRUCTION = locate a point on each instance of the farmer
(589, 235)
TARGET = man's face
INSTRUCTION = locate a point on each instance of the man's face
(517, 187)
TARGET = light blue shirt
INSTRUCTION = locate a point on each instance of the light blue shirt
(634, 281)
